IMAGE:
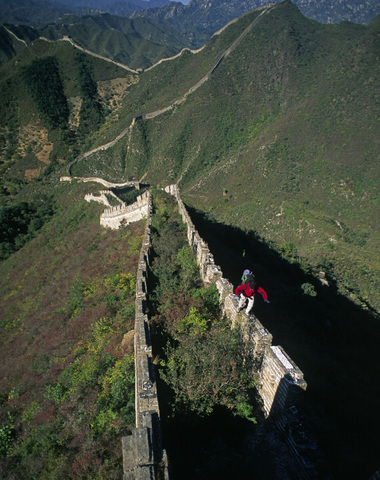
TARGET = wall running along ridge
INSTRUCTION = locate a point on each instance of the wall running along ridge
(115, 217)
(279, 380)
(143, 455)
(279, 377)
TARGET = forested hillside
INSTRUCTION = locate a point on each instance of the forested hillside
(53, 98)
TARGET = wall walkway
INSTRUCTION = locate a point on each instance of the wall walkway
(143, 455)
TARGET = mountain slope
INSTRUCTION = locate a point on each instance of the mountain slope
(135, 43)
(31, 140)
(67, 376)
(281, 138)
(198, 20)
(271, 132)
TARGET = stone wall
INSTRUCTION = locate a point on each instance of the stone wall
(279, 379)
(114, 217)
(143, 455)
(102, 181)
(209, 271)
(102, 197)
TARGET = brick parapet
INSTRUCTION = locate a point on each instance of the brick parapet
(209, 271)
(123, 214)
(143, 455)
(275, 371)
(279, 376)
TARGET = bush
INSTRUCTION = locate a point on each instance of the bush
(20, 223)
(308, 289)
(205, 369)
(6, 436)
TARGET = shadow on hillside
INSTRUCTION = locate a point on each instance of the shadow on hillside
(224, 447)
(129, 194)
(334, 343)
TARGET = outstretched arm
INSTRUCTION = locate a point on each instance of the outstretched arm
(264, 294)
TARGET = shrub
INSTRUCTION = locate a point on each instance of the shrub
(205, 370)
(6, 436)
(308, 289)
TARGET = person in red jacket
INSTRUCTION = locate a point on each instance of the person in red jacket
(247, 291)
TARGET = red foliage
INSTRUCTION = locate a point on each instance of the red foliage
(35, 352)
(45, 416)
(84, 465)
(174, 308)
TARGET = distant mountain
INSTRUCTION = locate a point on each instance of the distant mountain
(197, 18)
(31, 12)
(119, 7)
(37, 12)
(104, 4)
(201, 18)
(136, 43)
(335, 11)
(176, 25)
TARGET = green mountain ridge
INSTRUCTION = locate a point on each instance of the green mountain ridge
(135, 43)
(294, 106)
(273, 141)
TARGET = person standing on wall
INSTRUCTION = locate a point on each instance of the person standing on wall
(247, 291)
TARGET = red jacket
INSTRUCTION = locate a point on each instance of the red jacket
(249, 292)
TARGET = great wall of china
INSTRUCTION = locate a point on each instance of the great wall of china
(279, 380)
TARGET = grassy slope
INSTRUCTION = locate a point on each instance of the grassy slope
(67, 300)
